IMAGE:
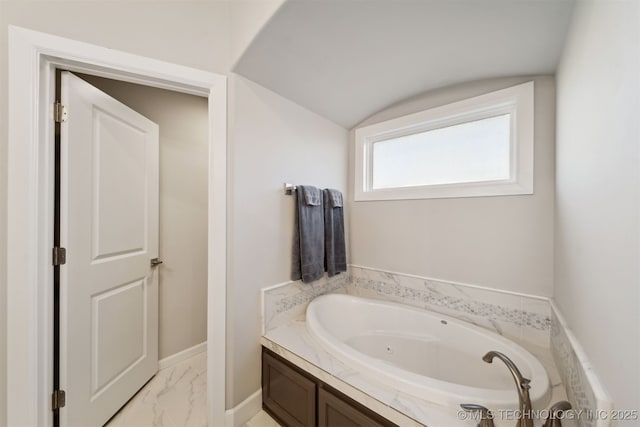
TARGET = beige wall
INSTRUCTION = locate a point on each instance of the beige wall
(499, 242)
(597, 277)
(247, 18)
(272, 141)
(192, 33)
(183, 122)
(3, 213)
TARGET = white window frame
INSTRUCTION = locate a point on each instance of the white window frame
(516, 100)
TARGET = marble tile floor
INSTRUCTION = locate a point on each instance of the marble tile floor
(261, 419)
(176, 397)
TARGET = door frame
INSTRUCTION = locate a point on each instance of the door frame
(33, 58)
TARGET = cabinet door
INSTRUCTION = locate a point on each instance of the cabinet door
(337, 410)
(287, 394)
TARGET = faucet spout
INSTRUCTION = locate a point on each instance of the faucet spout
(555, 414)
(522, 385)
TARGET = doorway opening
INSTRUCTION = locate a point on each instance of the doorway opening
(152, 203)
(33, 60)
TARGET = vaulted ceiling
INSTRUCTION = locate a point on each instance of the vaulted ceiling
(347, 59)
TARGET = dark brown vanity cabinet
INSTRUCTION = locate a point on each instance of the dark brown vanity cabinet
(295, 398)
(337, 410)
(288, 393)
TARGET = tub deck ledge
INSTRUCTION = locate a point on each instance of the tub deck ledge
(293, 342)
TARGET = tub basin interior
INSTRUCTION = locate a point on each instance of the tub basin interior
(422, 353)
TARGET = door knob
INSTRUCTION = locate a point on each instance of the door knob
(155, 262)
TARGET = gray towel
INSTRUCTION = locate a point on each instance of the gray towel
(335, 198)
(308, 236)
(335, 253)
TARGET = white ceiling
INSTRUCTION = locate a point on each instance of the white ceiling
(347, 59)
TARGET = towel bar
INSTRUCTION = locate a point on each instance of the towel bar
(289, 188)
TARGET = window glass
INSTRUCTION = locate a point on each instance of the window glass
(475, 151)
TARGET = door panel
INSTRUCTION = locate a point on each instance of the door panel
(119, 211)
(119, 310)
(109, 225)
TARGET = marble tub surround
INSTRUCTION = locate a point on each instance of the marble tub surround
(583, 387)
(533, 322)
(288, 301)
(294, 343)
(516, 316)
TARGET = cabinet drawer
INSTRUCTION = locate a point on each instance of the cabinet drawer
(338, 410)
(288, 394)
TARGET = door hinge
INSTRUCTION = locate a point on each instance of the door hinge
(59, 256)
(59, 113)
(58, 400)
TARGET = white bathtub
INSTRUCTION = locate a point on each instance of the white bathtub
(425, 354)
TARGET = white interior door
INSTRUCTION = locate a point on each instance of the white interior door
(109, 226)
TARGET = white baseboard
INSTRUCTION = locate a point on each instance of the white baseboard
(244, 411)
(181, 356)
